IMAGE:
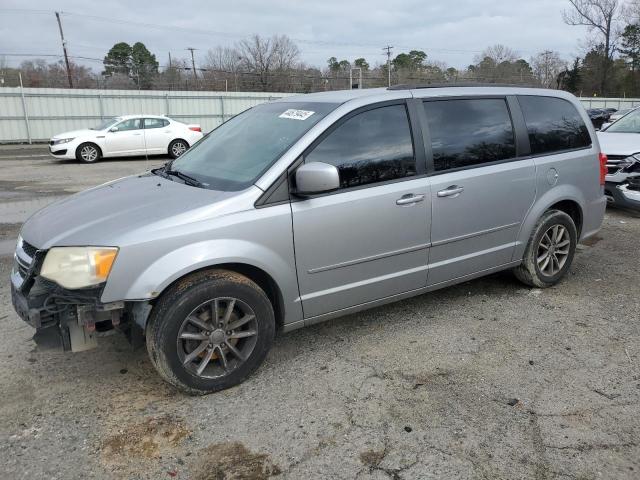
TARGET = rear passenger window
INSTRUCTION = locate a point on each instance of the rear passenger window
(155, 123)
(553, 124)
(370, 147)
(466, 133)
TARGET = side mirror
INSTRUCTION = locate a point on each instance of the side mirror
(316, 177)
(113, 129)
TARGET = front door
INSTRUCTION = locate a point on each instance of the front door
(369, 239)
(480, 190)
(126, 139)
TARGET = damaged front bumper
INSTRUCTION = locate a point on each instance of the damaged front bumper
(71, 319)
(625, 194)
(622, 183)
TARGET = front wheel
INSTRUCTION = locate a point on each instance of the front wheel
(177, 148)
(550, 250)
(88, 153)
(210, 331)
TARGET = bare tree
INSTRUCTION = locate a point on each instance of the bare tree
(286, 53)
(601, 16)
(632, 11)
(546, 67)
(224, 63)
(498, 53)
(263, 56)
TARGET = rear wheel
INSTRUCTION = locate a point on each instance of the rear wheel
(177, 148)
(88, 153)
(210, 331)
(550, 250)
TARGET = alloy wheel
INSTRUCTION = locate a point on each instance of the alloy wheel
(217, 337)
(89, 153)
(553, 250)
(178, 148)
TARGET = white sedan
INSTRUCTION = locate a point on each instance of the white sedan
(126, 136)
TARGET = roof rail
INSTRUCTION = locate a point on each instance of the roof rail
(413, 86)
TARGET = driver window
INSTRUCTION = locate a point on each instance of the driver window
(371, 147)
(131, 124)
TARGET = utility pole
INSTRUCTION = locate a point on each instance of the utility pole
(64, 49)
(193, 62)
(388, 49)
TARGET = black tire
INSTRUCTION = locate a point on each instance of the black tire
(177, 147)
(168, 317)
(88, 153)
(531, 272)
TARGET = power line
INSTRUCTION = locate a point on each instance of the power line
(327, 43)
(218, 33)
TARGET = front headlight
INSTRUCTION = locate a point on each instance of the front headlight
(629, 161)
(78, 267)
(62, 140)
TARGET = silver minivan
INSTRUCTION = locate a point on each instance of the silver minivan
(309, 208)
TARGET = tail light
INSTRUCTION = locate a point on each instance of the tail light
(195, 128)
(603, 168)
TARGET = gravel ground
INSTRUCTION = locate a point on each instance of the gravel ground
(487, 379)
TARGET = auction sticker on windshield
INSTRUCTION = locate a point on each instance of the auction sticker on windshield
(294, 114)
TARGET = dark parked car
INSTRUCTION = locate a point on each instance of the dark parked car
(598, 116)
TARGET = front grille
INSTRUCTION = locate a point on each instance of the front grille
(51, 142)
(23, 269)
(29, 249)
(615, 163)
(25, 257)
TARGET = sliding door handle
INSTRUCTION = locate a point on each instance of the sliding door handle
(452, 191)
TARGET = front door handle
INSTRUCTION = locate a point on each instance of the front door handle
(452, 191)
(409, 199)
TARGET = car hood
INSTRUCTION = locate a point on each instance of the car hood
(123, 212)
(619, 143)
(75, 134)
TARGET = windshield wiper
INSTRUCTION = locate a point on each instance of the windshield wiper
(184, 177)
(166, 172)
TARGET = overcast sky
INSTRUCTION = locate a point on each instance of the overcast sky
(453, 31)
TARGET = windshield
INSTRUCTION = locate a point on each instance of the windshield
(630, 123)
(106, 124)
(238, 152)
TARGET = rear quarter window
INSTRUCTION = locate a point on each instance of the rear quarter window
(553, 124)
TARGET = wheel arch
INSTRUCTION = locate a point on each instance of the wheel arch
(175, 140)
(100, 151)
(259, 276)
(566, 198)
(573, 209)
